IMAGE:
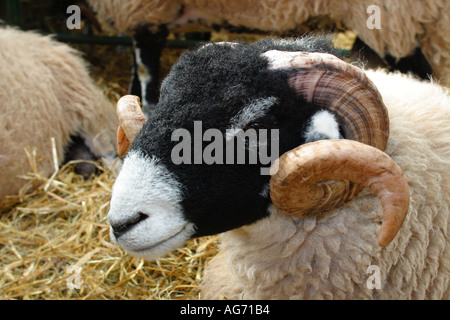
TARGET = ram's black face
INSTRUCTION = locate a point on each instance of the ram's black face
(163, 196)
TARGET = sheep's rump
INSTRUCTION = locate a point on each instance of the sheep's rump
(45, 92)
(328, 257)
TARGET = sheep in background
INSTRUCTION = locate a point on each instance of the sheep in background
(45, 92)
(413, 35)
(157, 205)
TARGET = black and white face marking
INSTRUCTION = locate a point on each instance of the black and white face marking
(146, 216)
(156, 204)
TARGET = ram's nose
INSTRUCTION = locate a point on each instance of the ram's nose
(119, 228)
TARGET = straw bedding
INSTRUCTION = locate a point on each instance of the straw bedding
(57, 235)
(63, 223)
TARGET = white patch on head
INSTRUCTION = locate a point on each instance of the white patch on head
(256, 109)
(145, 185)
(294, 59)
(280, 59)
(323, 125)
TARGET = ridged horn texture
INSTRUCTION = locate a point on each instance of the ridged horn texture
(339, 87)
(345, 90)
(131, 120)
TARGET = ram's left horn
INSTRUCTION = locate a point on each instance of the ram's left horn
(131, 120)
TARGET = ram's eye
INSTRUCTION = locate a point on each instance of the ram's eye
(266, 123)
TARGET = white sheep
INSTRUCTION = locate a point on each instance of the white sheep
(335, 255)
(401, 28)
(45, 93)
(266, 253)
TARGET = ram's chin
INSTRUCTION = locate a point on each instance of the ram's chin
(159, 249)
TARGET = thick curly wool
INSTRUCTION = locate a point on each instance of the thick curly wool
(405, 25)
(45, 92)
(327, 257)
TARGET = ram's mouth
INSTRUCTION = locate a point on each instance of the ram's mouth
(162, 247)
(151, 247)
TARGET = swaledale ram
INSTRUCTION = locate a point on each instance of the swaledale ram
(409, 35)
(356, 205)
(46, 92)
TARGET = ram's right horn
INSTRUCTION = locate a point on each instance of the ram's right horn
(131, 120)
(336, 171)
(304, 174)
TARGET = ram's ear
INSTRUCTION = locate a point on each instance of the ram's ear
(131, 121)
(123, 143)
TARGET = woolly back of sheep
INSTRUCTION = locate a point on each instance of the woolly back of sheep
(46, 92)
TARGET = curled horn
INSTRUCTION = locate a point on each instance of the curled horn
(305, 176)
(322, 175)
(131, 120)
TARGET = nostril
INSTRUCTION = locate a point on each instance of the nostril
(124, 227)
